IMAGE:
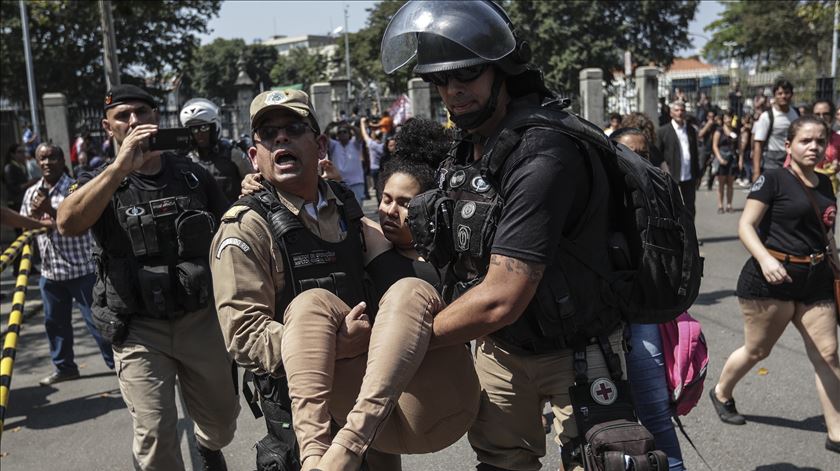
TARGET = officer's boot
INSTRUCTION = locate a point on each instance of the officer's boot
(211, 460)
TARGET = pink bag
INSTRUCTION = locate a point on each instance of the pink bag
(686, 359)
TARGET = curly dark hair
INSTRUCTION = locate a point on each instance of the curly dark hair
(424, 141)
(421, 171)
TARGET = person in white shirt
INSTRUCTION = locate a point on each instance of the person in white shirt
(770, 130)
(345, 153)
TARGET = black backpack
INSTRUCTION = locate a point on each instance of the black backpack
(656, 263)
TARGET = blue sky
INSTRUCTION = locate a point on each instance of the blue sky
(253, 20)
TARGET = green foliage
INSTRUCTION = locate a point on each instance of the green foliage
(300, 66)
(364, 51)
(569, 36)
(213, 71)
(773, 36)
(564, 36)
(154, 39)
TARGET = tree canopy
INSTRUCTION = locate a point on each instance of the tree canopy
(154, 39)
(568, 37)
(300, 66)
(571, 36)
(790, 33)
(364, 50)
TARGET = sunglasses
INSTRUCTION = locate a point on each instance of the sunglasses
(294, 129)
(463, 75)
(200, 128)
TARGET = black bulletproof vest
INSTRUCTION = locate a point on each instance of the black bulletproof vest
(568, 308)
(223, 170)
(155, 264)
(309, 261)
(474, 216)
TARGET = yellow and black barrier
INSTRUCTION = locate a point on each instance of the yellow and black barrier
(7, 361)
(11, 252)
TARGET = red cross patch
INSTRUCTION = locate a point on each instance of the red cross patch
(603, 391)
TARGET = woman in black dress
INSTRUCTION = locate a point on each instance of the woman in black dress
(787, 226)
(724, 142)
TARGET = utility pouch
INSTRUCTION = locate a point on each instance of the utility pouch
(112, 326)
(147, 223)
(116, 286)
(193, 284)
(335, 283)
(278, 450)
(156, 289)
(620, 445)
(612, 437)
(195, 233)
(430, 221)
(554, 299)
(135, 234)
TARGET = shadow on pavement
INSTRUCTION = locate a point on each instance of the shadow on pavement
(783, 467)
(33, 404)
(713, 297)
(811, 424)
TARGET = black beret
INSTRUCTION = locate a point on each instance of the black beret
(120, 94)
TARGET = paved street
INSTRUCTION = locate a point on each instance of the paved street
(83, 425)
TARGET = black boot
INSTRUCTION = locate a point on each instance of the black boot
(211, 460)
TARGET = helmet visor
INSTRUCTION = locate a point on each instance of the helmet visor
(476, 26)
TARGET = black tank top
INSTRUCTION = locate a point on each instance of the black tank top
(390, 267)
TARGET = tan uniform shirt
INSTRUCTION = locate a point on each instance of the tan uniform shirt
(248, 277)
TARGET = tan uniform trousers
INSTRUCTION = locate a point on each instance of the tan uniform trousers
(508, 432)
(147, 363)
(399, 398)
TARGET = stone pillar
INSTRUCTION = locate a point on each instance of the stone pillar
(419, 93)
(241, 112)
(592, 95)
(340, 100)
(55, 122)
(320, 96)
(647, 91)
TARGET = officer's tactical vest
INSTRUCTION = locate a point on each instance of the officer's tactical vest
(567, 308)
(309, 261)
(156, 265)
(222, 168)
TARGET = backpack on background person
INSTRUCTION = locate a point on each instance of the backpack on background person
(686, 357)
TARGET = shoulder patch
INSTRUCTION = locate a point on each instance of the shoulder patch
(236, 242)
(234, 213)
(72, 188)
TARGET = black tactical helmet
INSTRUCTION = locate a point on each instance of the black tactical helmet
(446, 35)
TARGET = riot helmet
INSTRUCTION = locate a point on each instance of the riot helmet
(446, 36)
(201, 111)
(449, 35)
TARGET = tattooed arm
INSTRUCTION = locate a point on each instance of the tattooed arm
(494, 303)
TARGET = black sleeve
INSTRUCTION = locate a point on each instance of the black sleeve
(765, 188)
(541, 194)
(217, 202)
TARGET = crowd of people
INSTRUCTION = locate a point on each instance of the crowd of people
(352, 329)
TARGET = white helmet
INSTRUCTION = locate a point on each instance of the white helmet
(201, 111)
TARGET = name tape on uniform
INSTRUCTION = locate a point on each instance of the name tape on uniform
(232, 241)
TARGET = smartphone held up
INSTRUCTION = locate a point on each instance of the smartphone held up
(171, 139)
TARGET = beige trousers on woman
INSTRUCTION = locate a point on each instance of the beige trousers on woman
(399, 398)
